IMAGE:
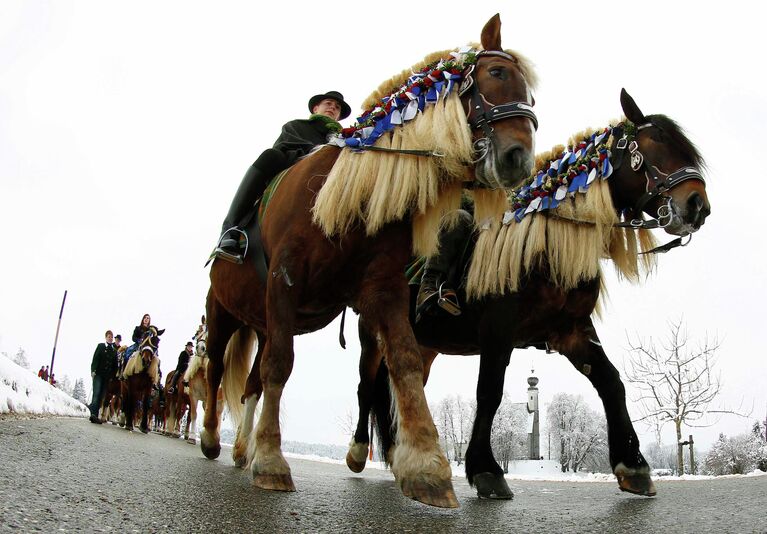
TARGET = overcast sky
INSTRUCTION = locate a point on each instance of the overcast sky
(125, 129)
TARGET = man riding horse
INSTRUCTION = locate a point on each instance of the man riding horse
(297, 139)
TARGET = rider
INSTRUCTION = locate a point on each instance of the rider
(138, 334)
(297, 139)
(181, 366)
(440, 273)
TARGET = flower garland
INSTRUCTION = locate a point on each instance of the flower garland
(403, 104)
(572, 171)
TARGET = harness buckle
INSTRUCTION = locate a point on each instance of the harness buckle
(622, 143)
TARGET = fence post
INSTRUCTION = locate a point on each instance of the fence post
(692, 457)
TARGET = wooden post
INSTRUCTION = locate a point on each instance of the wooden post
(692, 457)
(56, 339)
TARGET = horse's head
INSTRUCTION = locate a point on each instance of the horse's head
(149, 344)
(496, 92)
(662, 175)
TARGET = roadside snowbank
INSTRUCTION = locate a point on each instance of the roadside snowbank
(22, 392)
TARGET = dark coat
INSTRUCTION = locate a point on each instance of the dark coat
(104, 361)
(138, 333)
(300, 136)
(183, 362)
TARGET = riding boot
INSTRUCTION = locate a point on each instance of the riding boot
(436, 286)
(252, 187)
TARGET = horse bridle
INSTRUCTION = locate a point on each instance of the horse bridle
(482, 113)
(152, 348)
(656, 186)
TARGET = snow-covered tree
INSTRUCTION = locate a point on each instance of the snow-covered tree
(736, 455)
(508, 437)
(78, 391)
(65, 385)
(453, 419)
(675, 382)
(21, 358)
(581, 433)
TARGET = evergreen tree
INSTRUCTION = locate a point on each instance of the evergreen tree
(21, 358)
(78, 392)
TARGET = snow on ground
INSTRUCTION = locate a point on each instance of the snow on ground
(22, 392)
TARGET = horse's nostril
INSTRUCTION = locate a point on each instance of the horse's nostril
(514, 157)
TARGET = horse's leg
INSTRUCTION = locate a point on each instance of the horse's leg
(418, 463)
(145, 412)
(221, 326)
(253, 390)
(583, 349)
(370, 360)
(482, 470)
(129, 404)
(269, 468)
(188, 421)
(192, 415)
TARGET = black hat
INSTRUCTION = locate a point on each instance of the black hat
(189, 344)
(333, 95)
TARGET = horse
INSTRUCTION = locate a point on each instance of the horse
(338, 231)
(195, 376)
(535, 280)
(110, 405)
(157, 408)
(176, 405)
(140, 373)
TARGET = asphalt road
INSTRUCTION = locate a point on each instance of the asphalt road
(70, 475)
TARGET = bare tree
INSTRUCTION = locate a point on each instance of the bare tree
(347, 423)
(580, 431)
(675, 381)
(509, 434)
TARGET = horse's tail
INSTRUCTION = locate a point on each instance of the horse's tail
(237, 363)
(382, 409)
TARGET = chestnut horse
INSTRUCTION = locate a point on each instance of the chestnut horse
(196, 377)
(140, 373)
(339, 231)
(539, 284)
(110, 406)
(176, 404)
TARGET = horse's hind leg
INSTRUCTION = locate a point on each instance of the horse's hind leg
(269, 468)
(370, 360)
(583, 349)
(221, 326)
(418, 463)
(253, 390)
(482, 470)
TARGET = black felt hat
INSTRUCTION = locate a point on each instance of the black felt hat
(189, 344)
(333, 95)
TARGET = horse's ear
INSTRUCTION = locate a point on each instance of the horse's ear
(630, 109)
(160, 332)
(203, 319)
(491, 34)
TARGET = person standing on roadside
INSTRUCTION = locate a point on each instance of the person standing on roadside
(102, 369)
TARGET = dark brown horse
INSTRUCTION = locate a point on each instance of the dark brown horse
(140, 373)
(111, 405)
(541, 284)
(338, 232)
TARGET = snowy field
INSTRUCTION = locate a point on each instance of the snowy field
(23, 393)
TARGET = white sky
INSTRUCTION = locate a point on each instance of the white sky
(125, 130)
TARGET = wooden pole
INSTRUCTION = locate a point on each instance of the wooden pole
(58, 326)
(692, 457)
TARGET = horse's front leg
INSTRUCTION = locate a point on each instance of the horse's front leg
(145, 414)
(191, 438)
(269, 468)
(370, 360)
(583, 349)
(221, 326)
(253, 390)
(418, 463)
(482, 470)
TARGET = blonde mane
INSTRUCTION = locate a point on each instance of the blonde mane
(134, 367)
(195, 364)
(374, 188)
(567, 242)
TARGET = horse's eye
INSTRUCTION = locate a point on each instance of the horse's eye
(497, 72)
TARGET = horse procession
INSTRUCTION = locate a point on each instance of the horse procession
(357, 222)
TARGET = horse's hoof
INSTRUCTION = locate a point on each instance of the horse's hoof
(439, 493)
(635, 481)
(145, 430)
(492, 486)
(353, 464)
(274, 482)
(211, 447)
(240, 461)
(191, 441)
